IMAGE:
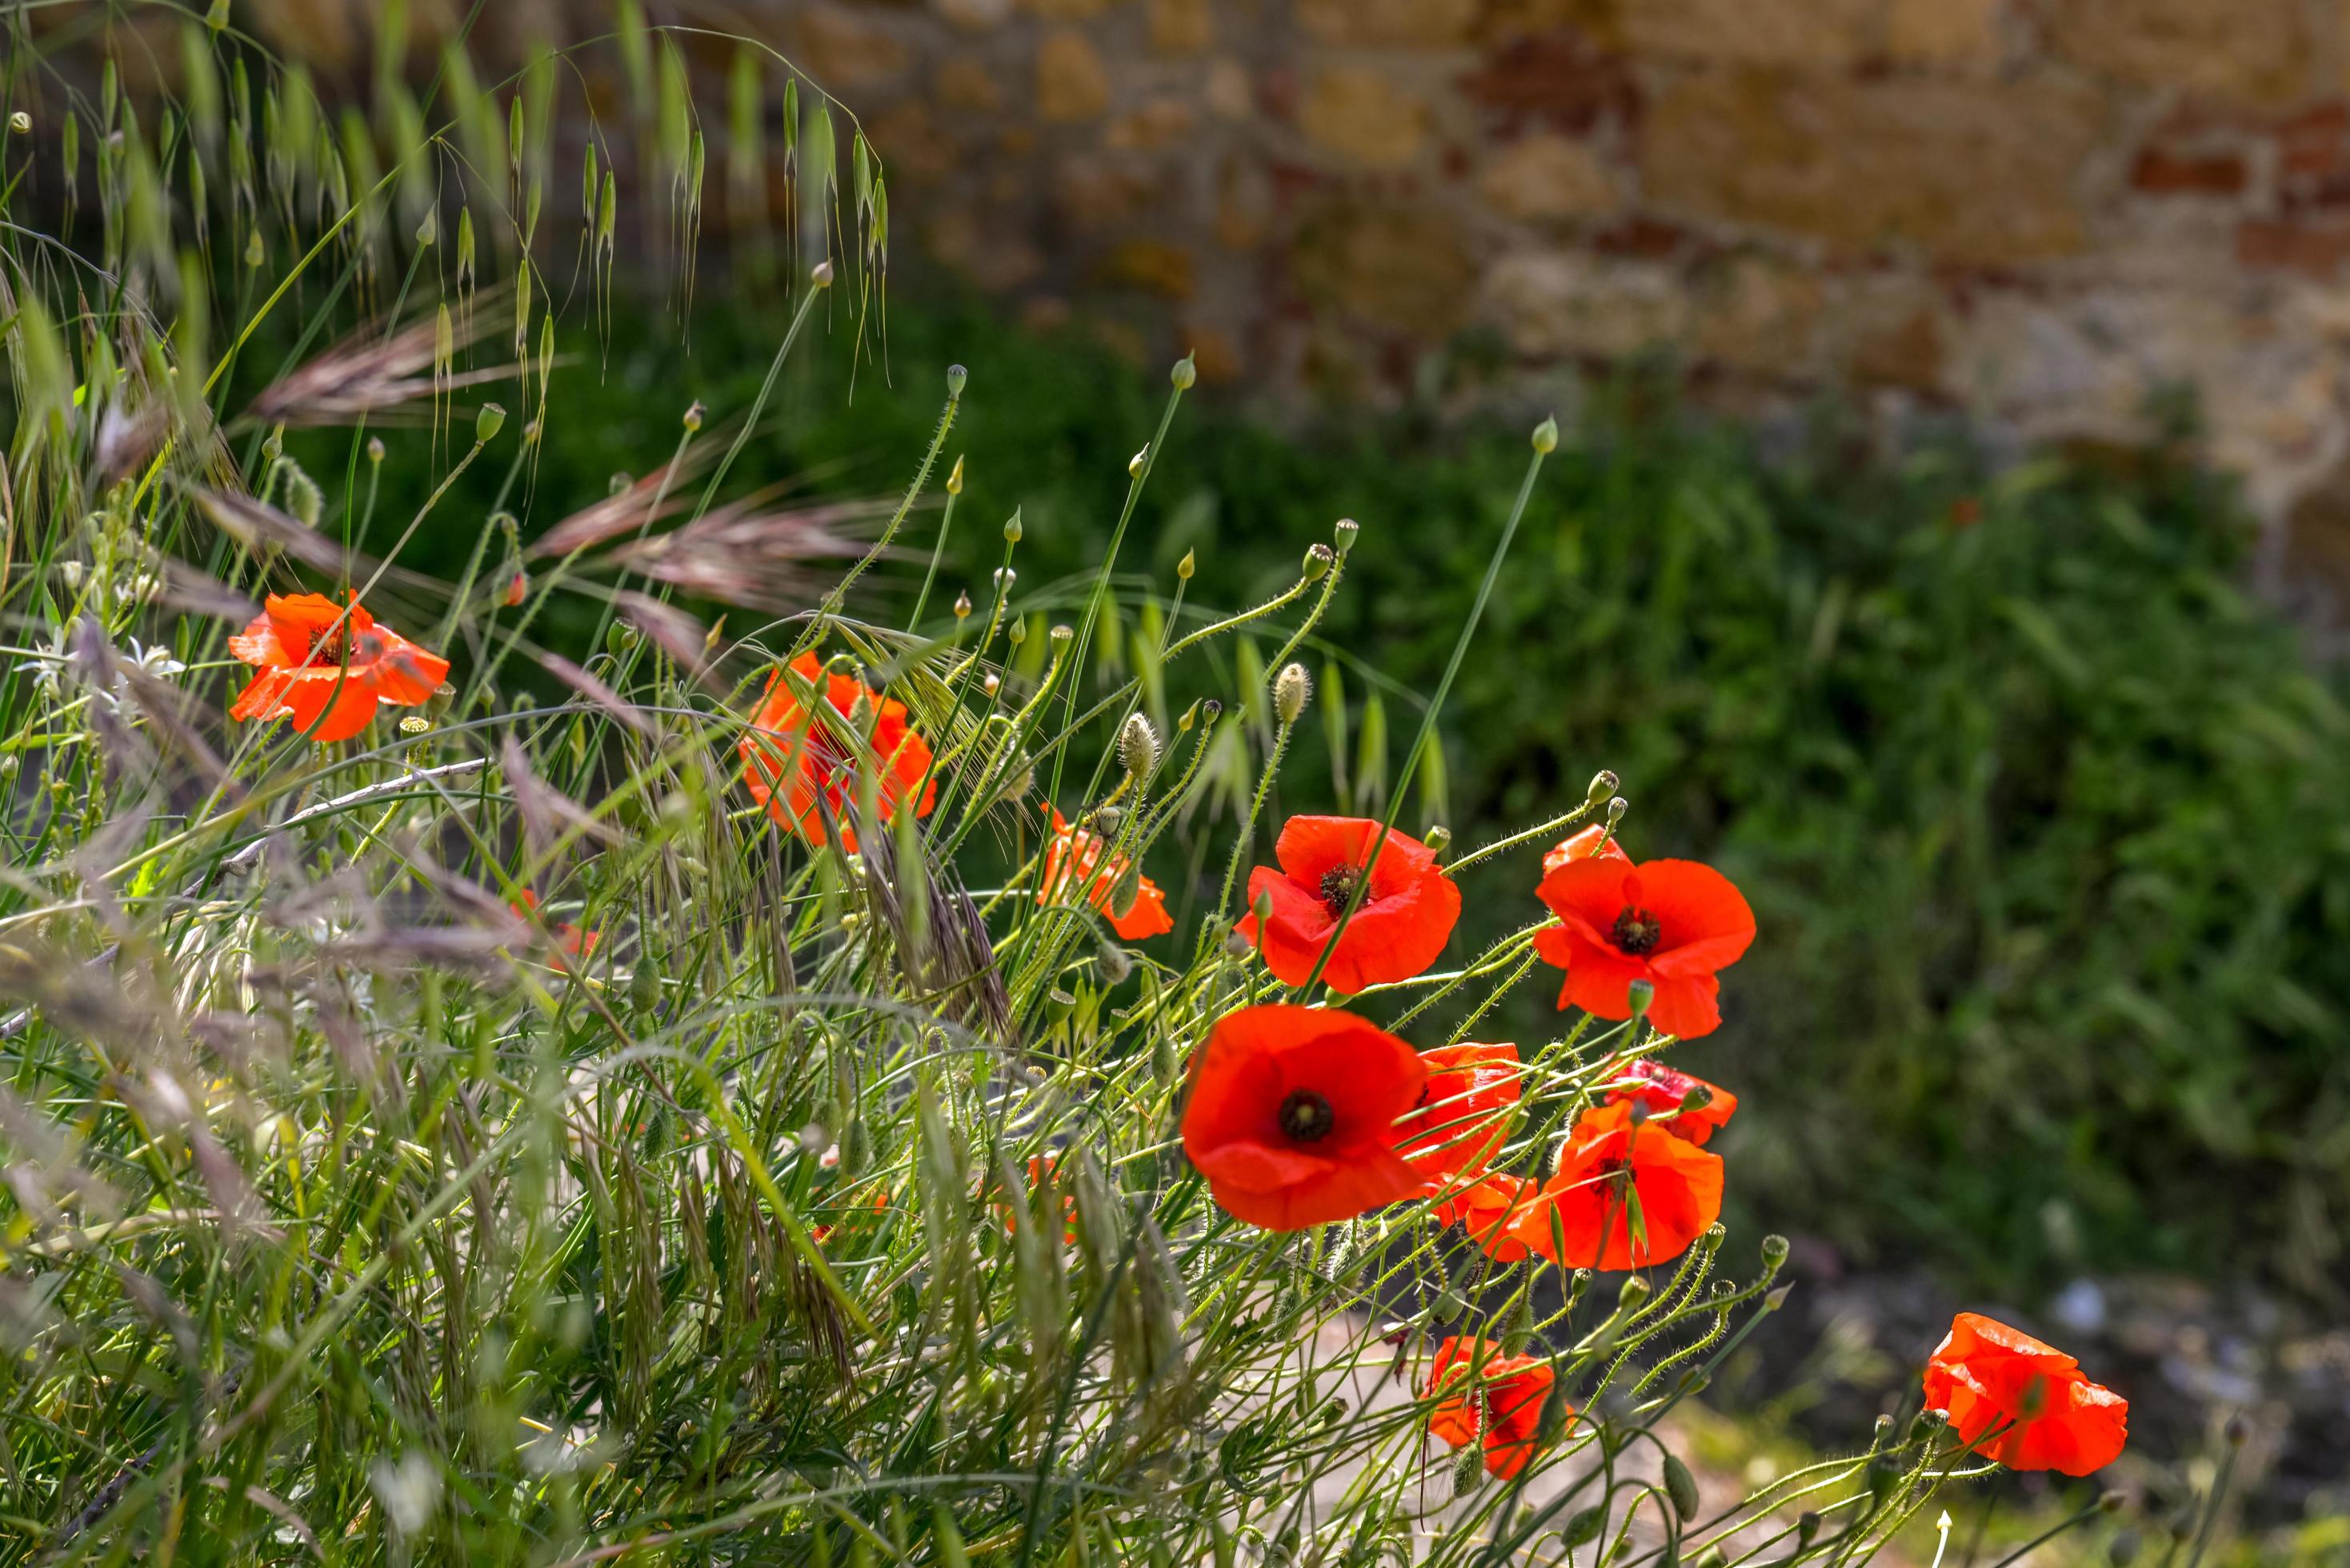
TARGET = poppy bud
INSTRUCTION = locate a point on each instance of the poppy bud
(1807, 1528)
(1317, 561)
(2123, 1549)
(1236, 945)
(855, 1147)
(1583, 1527)
(1184, 374)
(1262, 907)
(1012, 529)
(517, 588)
(1138, 745)
(820, 274)
(1883, 1475)
(1546, 437)
(1712, 1557)
(956, 376)
(2112, 1501)
(1681, 1487)
(1556, 1412)
(1163, 1062)
(1186, 566)
(1125, 891)
(1137, 463)
(1439, 837)
(375, 449)
(1468, 1470)
(1521, 1332)
(1114, 964)
(1640, 994)
(1345, 533)
(1291, 689)
(487, 423)
(1603, 784)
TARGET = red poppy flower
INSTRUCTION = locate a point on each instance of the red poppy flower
(567, 937)
(327, 667)
(1627, 1195)
(1074, 863)
(1404, 920)
(1644, 1081)
(1039, 1169)
(2047, 1414)
(1673, 923)
(1501, 1407)
(814, 752)
(1593, 843)
(1486, 1209)
(879, 1204)
(1462, 1118)
(1293, 1114)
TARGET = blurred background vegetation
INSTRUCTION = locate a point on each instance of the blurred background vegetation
(2046, 821)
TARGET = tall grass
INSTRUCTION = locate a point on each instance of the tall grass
(495, 1138)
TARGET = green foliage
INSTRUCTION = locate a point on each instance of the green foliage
(2047, 822)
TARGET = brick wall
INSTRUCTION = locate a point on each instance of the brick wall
(2036, 212)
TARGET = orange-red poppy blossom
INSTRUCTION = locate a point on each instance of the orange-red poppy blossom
(1593, 843)
(1647, 1082)
(1041, 1169)
(1462, 1118)
(1487, 1397)
(1673, 923)
(1627, 1195)
(568, 937)
(878, 1204)
(2026, 1404)
(1405, 918)
(1076, 862)
(801, 765)
(1486, 1209)
(327, 667)
(1293, 1116)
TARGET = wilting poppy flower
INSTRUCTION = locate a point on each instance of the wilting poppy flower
(1074, 863)
(1293, 1112)
(1462, 1121)
(1644, 1081)
(815, 754)
(327, 667)
(1403, 922)
(2046, 1414)
(1627, 1195)
(1501, 1408)
(1673, 923)
(1593, 843)
(1486, 1209)
(567, 937)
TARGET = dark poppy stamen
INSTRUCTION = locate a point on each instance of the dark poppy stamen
(1637, 932)
(1338, 885)
(1307, 1117)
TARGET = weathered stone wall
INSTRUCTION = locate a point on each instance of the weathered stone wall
(2036, 212)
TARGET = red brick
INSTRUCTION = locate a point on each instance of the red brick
(2317, 249)
(2164, 173)
(1555, 77)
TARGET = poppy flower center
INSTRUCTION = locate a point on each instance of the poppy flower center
(1307, 1117)
(1637, 932)
(1338, 885)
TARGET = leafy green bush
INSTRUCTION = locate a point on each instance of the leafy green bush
(2047, 822)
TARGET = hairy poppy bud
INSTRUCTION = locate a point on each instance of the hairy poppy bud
(1807, 1528)
(1138, 745)
(1546, 436)
(2112, 1501)
(1603, 784)
(956, 376)
(1236, 945)
(693, 411)
(1583, 1526)
(1346, 533)
(487, 423)
(1640, 994)
(1681, 1487)
(954, 478)
(1262, 907)
(1012, 528)
(1125, 891)
(1186, 566)
(517, 588)
(1317, 561)
(1521, 1332)
(1468, 1470)
(1114, 963)
(1184, 374)
(1438, 837)
(820, 274)
(856, 1147)
(1883, 1475)
(1291, 689)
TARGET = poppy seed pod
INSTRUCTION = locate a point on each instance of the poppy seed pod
(1138, 746)
(1345, 533)
(1438, 837)
(1603, 784)
(1633, 1295)
(1291, 690)
(1774, 1253)
(1615, 809)
(956, 376)
(487, 423)
(1318, 558)
(1640, 994)
(1106, 818)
